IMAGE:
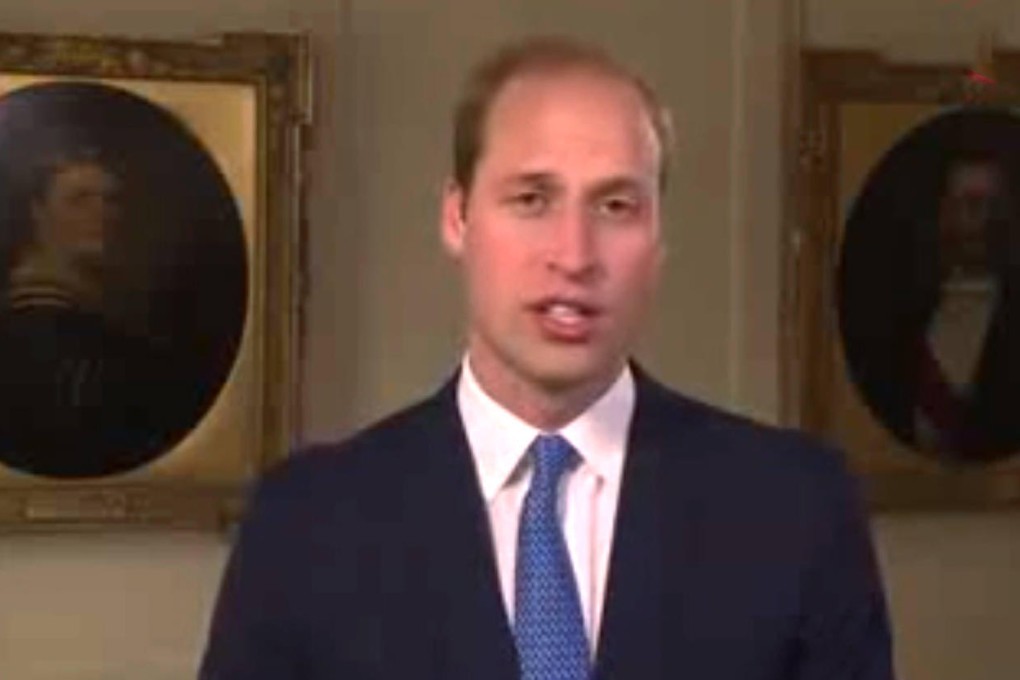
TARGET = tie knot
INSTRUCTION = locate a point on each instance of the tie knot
(553, 456)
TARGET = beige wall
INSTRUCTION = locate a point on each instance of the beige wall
(954, 580)
(409, 59)
(135, 606)
(923, 29)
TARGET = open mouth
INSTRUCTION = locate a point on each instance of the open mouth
(567, 311)
(566, 320)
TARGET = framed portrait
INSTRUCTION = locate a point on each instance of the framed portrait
(902, 284)
(150, 238)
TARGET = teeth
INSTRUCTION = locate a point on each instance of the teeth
(564, 311)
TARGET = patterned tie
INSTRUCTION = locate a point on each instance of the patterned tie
(549, 626)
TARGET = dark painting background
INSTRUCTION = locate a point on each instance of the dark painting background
(178, 268)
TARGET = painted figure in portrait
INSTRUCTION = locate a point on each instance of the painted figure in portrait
(123, 286)
(929, 286)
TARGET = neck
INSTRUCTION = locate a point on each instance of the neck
(548, 407)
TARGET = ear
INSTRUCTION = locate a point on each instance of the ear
(453, 226)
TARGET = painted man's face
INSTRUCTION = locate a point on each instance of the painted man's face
(966, 215)
(80, 208)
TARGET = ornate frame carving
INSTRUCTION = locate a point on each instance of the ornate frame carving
(829, 81)
(240, 435)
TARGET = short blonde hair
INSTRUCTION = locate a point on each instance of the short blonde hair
(542, 54)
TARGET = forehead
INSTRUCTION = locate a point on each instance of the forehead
(73, 173)
(975, 177)
(568, 116)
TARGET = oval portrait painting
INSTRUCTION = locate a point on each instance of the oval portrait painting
(123, 280)
(929, 287)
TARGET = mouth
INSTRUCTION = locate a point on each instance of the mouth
(566, 319)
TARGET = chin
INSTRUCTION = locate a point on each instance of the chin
(566, 372)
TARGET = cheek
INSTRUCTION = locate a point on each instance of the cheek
(496, 256)
(639, 270)
(496, 271)
(58, 221)
(75, 216)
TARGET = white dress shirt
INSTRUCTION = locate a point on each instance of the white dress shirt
(959, 328)
(588, 497)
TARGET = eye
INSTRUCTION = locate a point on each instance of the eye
(618, 207)
(529, 203)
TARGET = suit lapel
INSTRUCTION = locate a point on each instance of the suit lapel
(475, 639)
(632, 641)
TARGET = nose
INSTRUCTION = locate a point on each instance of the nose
(574, 249)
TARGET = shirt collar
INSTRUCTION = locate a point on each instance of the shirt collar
(499, 439)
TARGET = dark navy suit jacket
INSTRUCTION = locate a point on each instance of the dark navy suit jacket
(740, 553)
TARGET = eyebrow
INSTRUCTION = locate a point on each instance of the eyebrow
(542, 178)
(610, 185)
(620, 184)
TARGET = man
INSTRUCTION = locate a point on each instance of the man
(937, 356)
(82, 395)
(966, 386)
(552, 512)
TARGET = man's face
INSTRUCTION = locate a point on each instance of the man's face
(559, 234)
(966, 215)
(80, 207)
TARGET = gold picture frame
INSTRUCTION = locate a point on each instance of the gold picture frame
(241, 104)
(852, 109)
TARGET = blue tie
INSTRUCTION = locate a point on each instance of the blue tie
(549, 626)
